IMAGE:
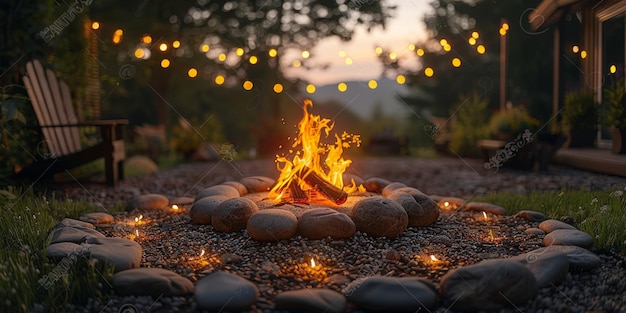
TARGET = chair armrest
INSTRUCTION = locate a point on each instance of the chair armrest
(90, 123)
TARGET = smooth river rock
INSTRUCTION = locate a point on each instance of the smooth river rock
(379, 217)
(218, 190)
(272, 225)
(550, 267)
(392, 294)
(74, 234)
(58, 251)
(531, 216)
(237, 185)
(257, 183)
(222, 291)
(580, 259)
(153, 282)
(488, 285)
(484, 207)
(551, 225)
(421, 210)
(233, 214)
(70, 222)
(389, 189)
(97, 218)
(320, 223)
(450, 203)
(568, 237)
(202, 210)
(147, 202)
(375, 184)
(123, 253)
(315, 300)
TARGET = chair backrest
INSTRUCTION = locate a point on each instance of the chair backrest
(52, 104)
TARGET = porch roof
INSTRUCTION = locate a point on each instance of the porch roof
(551, 11)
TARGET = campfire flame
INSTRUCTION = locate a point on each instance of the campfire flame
(433, 258)
(312, 263)
(306, 171)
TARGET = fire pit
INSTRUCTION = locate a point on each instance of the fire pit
(310, 196)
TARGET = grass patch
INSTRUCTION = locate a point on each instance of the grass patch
(601, 214)
(27, 278)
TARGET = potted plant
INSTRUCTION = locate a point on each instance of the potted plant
(616, 115)
(508, 123)
(580, 117)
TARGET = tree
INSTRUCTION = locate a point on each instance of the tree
(456, 30)
(243, 40)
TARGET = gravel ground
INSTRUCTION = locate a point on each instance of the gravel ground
(171, 241)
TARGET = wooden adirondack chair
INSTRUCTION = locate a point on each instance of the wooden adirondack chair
(55, 113)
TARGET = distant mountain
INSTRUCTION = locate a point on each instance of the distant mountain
(362, 100)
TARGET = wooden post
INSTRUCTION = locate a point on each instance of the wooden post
(555, 77)
(502, 68)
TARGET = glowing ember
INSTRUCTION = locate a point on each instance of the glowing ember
(434, 258)
(306, 172)
(174, 207)
(136, 220)
(446, 204)
(136, 233)
(202, 253)
(312, 262)
(485, 215)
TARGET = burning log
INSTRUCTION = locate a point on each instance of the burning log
(325, 188)
(296, 194)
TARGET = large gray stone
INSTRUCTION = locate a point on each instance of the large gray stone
(147, 202)
(123, 253)
(257, 183)
(153, 282)
(379, 217)
(233, 214)
(580, 259)
(74, 234)
(58, 251)
(272, 225)
(421, 210)
(531, 216)
(218, 190)
(488, 285)
(392, 294)
(551, 225)
(70, 222)
(568, 237)
(550, 267)
(202, 210)
(97, 218)
(484, 207)
(223, 291)
(318, 223)
(314, 300)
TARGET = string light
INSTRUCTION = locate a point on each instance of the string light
(239, 52)
(192, 72)
(95, 25)
(146, 39)
(472, 41)
(411, 47)
(163, 47)
(139, 53)
(419, 52)
(393, 55)
(247, 85)
(176, 44)
(583, 54)
(165, 63)
(372, 84)
(272, 53)
(310, 88)
(475, 35)
(480, 49)
(117, 36)
(296, 63)
(221, 57)
(204, 48)
(348, 61)
(456, 62)
(219, 79)
(400, 79)
(342, 87)
(429, 72)
(278, 88)
(575, 49)
(379, 50)
(306, 54)
(613, 69)
(342, 54)
(253, 59)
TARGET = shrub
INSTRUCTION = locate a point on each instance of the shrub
(470, 127)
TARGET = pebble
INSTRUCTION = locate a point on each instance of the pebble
(257, 183)
(232, 215)
(202, 210)
(147, 202)
(531, 216)
(421, 210)
(218, 190)
(568, 237)
(155, 282)
(315, 300)
(379, 217)
(484, 207)
(488, 285)
(272, 225)
(318, 223)
(97, 218)
(450, 203)
(534, 231)
(222, 291)
(392, 294)
(551, 225)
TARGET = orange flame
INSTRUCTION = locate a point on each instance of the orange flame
(309, 158)
(434, 258)
(312, 262)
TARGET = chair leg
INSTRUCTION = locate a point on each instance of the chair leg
(120, 170)
(110, 170)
